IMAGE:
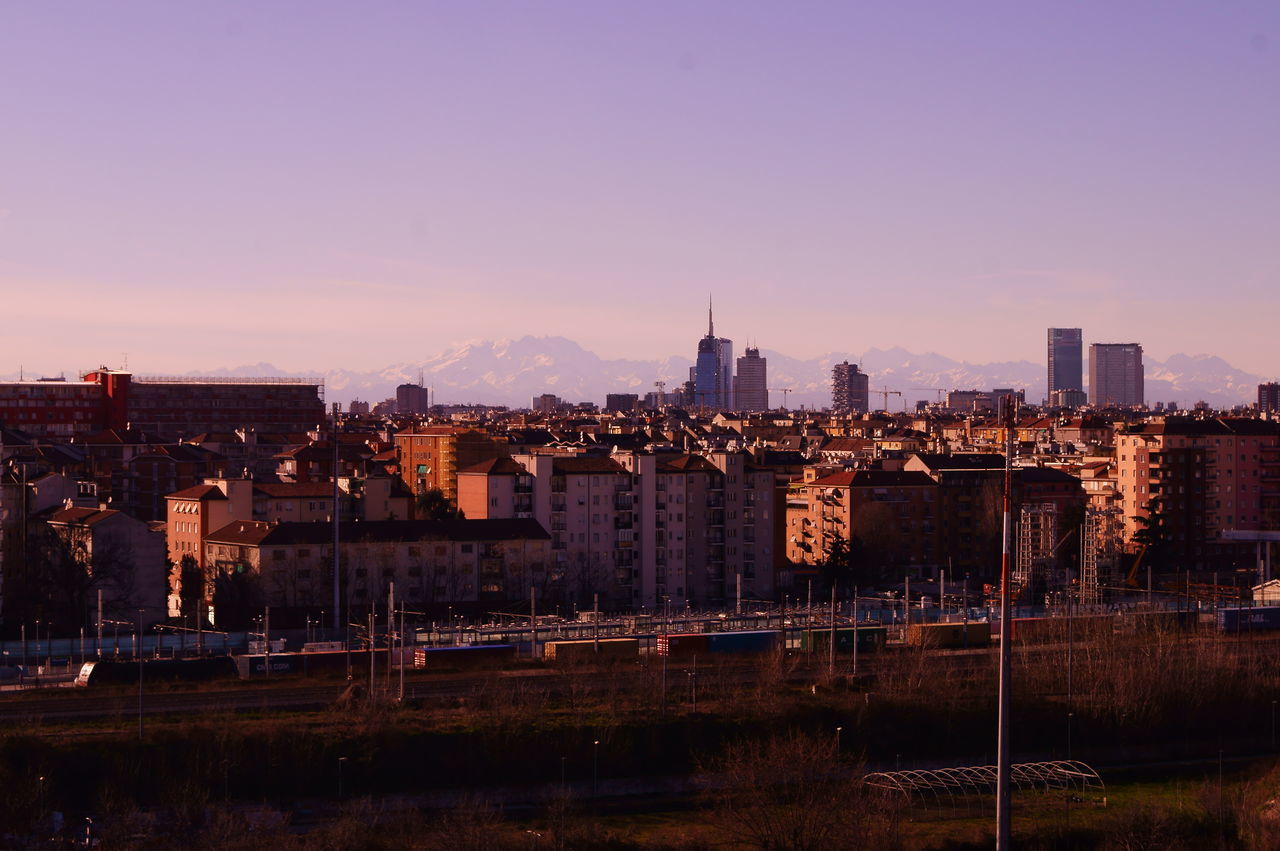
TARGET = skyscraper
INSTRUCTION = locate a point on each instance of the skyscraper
(1066, 350)
(848, 388)
(713, 371)
(751, 386)
(1269, 396)
(1115, 374)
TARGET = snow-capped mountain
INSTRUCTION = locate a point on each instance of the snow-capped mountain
(512, 372)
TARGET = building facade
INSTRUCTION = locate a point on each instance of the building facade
(639, 529)
(849, 389)
(1269, 396)
(1116, 375)
(751, 385)
(1066, 354)
(713, 371)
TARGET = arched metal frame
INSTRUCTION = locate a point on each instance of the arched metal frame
(981, 779)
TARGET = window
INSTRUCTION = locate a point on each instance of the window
(467, 548)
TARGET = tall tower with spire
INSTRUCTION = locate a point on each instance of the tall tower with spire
(713, 370)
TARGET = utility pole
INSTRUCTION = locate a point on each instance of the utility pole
(533, 620)
(337, 600)
(401, 694)
(266, 642)
(1004, 820)
(391, 628)
(99, 623)
(831, 647)
(137, 647)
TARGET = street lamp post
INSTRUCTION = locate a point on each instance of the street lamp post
(595, 768)
(342, 760)
(138, 650)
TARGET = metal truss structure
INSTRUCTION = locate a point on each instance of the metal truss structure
(952, 784)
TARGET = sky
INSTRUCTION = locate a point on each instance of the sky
(326, 185)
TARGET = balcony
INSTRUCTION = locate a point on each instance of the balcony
(623, 521)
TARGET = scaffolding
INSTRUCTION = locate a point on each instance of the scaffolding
(1037, 539)
(1098, 553)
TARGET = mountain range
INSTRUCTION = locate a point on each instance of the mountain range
(512, 372)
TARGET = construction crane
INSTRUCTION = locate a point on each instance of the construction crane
(885, 393)
(938, 390)
(784, 391)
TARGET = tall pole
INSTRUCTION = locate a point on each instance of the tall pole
(137, 646)
(401, 695)
(266, 642)
(1004, 819)
(99, 623)
(855, 634)
(831, 647)
(391, 628)
(337, 601)
(533, 621)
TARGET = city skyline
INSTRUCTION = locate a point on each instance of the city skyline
(965, 177)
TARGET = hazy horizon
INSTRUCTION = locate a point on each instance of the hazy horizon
(338, 186)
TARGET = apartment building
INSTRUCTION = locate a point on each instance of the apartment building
(639, 529)
(1191, 479)
(889, 519)
(431, 456)
(432, 563)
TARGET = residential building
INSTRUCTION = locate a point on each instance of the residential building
(621, 402)
(196, 511)
(1115, 375)
(289, 566)
(111, 552)
(849, 389)
(1182, 481)
(431, 456)
(888, 519)
(637, 528)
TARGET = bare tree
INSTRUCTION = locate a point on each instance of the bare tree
(792, 792)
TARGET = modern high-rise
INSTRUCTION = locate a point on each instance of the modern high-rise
(1269, 396)
(713, 371)
(1066, 350)
(751, 385)
(849, 389)
(1115, 374)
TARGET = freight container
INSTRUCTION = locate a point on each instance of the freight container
(585, 652)
(312, 664)
(683, 645)
(1255, 618)
(1168, 621)
(745, 642)
(949, 635)
(870, 639)
(477, 657)
(1051, 630)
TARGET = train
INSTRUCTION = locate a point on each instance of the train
(120, 672)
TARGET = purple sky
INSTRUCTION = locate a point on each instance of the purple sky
(354, 184)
